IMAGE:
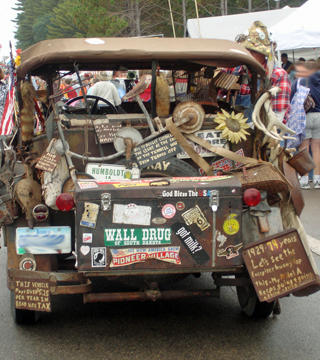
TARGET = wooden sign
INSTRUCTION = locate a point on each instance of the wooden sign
(48, 162)
(32, 294)
(278, 265)
(107, 132)
(156, 150)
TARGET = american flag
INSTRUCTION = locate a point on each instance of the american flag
(7, 124)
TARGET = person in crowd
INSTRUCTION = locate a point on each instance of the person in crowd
(105, 89)
(312, 130)
(305, 69)
(70, 94)
(285, 62)
(301, 59)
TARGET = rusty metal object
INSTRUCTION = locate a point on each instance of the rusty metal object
(192, 113)
(152, 295)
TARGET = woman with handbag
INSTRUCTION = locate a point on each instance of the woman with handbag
(311, 134)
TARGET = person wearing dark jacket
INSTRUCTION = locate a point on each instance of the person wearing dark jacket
(312, 127)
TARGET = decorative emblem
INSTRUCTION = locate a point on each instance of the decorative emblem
(28, 264)
(231, 225)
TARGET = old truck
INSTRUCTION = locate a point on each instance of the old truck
(177, 186)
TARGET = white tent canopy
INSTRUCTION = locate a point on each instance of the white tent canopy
(228, 27)
(300, 30)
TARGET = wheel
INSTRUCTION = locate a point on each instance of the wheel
(23, 317)
(68, 185)
(94, 108)
(250, 303)
(165, 168)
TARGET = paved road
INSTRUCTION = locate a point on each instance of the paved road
(180, 329)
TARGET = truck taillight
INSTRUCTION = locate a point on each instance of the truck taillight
(251, 197)
(40, 212)
(65, 202)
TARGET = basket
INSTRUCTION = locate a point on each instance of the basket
(264, 176)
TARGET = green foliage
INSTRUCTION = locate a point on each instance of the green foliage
(46, 19)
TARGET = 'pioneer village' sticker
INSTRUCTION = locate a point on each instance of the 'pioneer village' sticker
(131, 214)
(191, 243)
(98, 257)
(230, 251)
(90, 215)
(196, 216)
(123, 257)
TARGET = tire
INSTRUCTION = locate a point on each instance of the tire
(251, 305)
(166, 168)
(23, 317)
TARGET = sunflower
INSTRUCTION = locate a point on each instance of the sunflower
(233, 126)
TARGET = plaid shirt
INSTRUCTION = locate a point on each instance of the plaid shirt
(280, 78)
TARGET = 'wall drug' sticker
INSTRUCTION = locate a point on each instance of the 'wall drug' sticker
(191, 243)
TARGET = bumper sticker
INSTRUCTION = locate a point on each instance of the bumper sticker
(168, 211)
(221, 239)
(131, 214)
(231, 225)
(98, 257)
(87, 184)
(196, 216)
(230, 251)
(87, 238)
(191, 243)
(133, 237)
(124, 257)
(90, 215)
(85, 249)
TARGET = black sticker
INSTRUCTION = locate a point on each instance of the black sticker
(191, 243)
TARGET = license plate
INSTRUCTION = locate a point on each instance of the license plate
(112, 172)
(214, 137)
(43, 240)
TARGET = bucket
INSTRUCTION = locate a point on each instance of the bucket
(302, 162)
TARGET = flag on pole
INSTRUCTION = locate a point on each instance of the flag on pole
(7, 97)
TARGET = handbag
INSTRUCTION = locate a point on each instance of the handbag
(309, 103)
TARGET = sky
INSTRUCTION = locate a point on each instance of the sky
(7, 27)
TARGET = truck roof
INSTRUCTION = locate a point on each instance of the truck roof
(133, 53)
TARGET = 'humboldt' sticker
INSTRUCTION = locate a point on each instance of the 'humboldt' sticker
(191, 243)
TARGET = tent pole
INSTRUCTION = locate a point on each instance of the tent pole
(279, 59)
(293, 56)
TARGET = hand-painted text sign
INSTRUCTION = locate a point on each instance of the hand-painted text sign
(131, 237)
(32, 294)
(156, 150)
(107, 132)
(278, 265)
(48, 162)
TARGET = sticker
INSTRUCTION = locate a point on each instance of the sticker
(221, 239)
(28, 264)
(131, 214)
(191, 243)
(112, 172)
(98, 257)
(230, 251)
(87, 185)
(185, 193)
(132, 237)
(159, 220)
(168, 211)
(224, 164)
(85, 249)
(87, 238)
(231, 225)
(196, 216)
(180, 205)
(90, 215)
(124, 257)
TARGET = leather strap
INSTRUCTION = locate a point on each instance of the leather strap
(188, 148)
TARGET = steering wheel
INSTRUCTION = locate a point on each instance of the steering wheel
(95, 107)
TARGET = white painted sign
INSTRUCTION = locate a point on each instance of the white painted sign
(214, 137)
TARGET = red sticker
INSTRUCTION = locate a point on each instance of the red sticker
(168, 211)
